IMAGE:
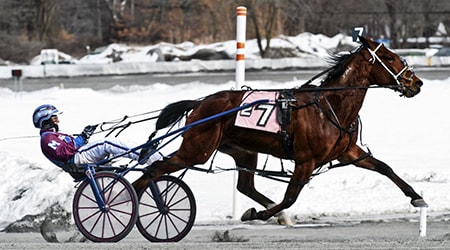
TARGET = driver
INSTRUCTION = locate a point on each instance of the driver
(65, 150)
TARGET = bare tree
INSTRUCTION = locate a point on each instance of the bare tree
(263, 15)
(46, 11)
(70, 25)
(295, 15)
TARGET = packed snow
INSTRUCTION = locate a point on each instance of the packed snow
(408, 134)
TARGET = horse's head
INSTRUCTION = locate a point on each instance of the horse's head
(391, 70)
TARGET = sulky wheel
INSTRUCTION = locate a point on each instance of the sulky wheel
(166, 210)
(120, 212)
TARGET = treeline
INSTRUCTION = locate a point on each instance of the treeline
(27, 26)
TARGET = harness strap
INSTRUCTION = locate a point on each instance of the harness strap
(284, 118)
(375, 58)
(334, 121)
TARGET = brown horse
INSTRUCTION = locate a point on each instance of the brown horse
(319, 126)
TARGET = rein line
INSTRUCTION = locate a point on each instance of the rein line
(116, 123)
(121, 127)
(319, 88)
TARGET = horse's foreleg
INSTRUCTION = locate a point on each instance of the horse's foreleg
(246, 186)
(299, 178)
(246, 183)
(374, 164)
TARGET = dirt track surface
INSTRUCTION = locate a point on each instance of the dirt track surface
(399, 233)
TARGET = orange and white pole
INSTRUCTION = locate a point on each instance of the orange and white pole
(241, 21)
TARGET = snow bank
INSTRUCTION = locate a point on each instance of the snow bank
(310, 51)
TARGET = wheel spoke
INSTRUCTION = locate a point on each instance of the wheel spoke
(89, 198)
(151, 222)
(173, 223)
(95, 223)
(179, 218)
(108, 216)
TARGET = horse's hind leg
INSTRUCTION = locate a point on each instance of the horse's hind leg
(374, 164)
(246, 182)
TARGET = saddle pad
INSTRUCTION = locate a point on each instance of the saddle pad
(262, 116)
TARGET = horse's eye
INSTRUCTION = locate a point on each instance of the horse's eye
(390, 58)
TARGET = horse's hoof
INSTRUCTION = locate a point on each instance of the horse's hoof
(419, 203)
(250, 214)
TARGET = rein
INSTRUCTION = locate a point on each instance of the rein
(318, 88)
(113, 126)
(118, 124)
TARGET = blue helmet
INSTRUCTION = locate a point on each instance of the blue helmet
(43, 113)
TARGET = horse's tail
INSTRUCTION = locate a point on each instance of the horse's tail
(173, 112)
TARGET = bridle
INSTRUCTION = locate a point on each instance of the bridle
(397, 76)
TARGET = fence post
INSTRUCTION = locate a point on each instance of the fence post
(241, 20)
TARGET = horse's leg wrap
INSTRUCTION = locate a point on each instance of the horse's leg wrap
(283, 218)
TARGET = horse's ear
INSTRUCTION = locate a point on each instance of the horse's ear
(365, 41)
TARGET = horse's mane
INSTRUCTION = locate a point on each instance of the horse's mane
(338, 63)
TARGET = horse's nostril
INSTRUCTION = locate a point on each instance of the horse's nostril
(419, 84)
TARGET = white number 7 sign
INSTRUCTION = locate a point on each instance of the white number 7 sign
(358, 31)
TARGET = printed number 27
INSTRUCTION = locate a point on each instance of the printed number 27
(263, 119)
